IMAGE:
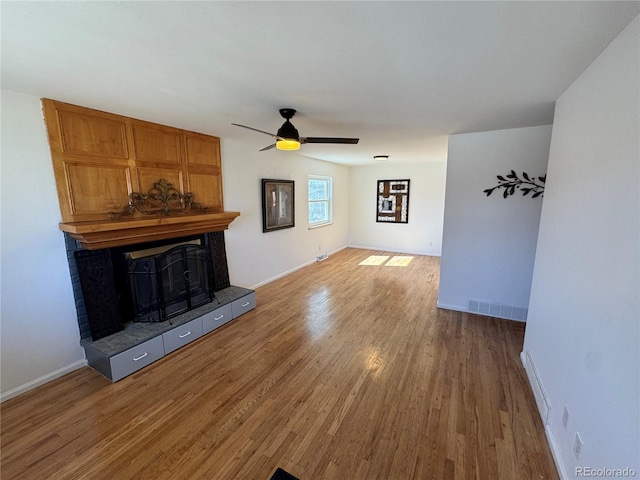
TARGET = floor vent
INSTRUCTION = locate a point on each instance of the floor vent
(544, 407)
(497, 310)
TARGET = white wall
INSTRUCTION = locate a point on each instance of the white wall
(255, 257)
(489, 243)
(423, 234)
(584, 317)
(39, 328)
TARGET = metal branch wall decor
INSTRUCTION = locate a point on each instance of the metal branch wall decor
(512, 182)
(163, 199)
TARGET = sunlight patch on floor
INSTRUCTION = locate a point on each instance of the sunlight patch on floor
(374, 260)
(399, 261)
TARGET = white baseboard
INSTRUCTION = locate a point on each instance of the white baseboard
(428, 253)
(332, 252)
(539, 393)
(284, 274)
(523, 359)
(555, 452)
(42, 380)
(536, 386)
(455, 308)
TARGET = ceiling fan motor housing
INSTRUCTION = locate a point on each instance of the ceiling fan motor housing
(287, 130)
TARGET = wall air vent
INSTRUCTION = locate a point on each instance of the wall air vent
(497, 310)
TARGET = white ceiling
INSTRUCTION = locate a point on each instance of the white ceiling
(401, 76)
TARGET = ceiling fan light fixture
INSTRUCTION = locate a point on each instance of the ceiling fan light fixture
(288, 144)
(381, 158)
(288, 137)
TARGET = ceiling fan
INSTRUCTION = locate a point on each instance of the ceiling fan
(288, 137)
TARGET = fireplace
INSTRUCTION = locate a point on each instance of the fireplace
(165, 282)
(147, 282)
(126, 185)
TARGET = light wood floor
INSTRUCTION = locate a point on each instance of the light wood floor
(342, 372)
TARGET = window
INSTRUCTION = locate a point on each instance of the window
(319, 200)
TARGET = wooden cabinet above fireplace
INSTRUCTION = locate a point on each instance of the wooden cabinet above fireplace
(100, 159)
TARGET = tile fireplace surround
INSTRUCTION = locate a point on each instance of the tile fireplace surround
(141, 343)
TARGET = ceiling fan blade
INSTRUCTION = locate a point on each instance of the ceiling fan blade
(255, 130)
(349, 141)
(267, 148)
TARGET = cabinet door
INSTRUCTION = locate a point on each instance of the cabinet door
(156, 144)
(135, 358)
(203, 151)
(207, 190)
(204, 170)
(217, 318)
(180, 336)
(91, 160)
(243, 305)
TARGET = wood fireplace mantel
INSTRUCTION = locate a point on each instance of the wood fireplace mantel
(98, 234)
(105, 163)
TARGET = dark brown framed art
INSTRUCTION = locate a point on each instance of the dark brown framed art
(278, 204)
(393, 201)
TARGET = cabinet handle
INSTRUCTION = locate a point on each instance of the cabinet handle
(245, 304)
(135, 359)
(218, 318)
(185, 334)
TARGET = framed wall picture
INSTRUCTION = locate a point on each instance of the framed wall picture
(278, 204)
(393, 201)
